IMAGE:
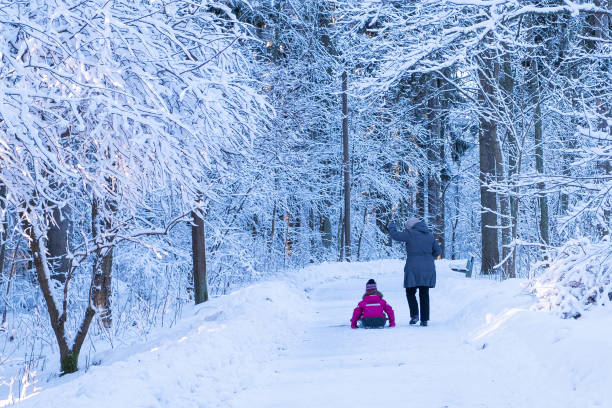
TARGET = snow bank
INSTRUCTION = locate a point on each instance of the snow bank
(212, 353)
(287, 343)
(225, 338)
(549, 362)
(579, 277)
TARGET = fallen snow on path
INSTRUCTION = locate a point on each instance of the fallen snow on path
(288, 344)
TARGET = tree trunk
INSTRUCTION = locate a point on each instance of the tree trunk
(599, 30)
(57, 243)
(444, 180)
(311, 233)
(420, 197)
(488, 199)
(346, 169)
(434, 198)
(8, 284)
(273, 229)
(325, 19)
(488, 146)
(514, 166)
(505, 199)
(255, 226)
(103, 266)
(198, 251)
(365, 214)
(539, 153)
(568, 156)
(292, 225)
(69, 356)
(287, 239)
(3, 228)
(435, 156)
(455, 223)
(326, 229)
(102, 296)
(341, 237)
(41, 266)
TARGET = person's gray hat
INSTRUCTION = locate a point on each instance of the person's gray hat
(411, 222)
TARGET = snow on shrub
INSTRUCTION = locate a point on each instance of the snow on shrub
(578, 277)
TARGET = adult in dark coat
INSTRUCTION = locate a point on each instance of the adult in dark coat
(420, 270)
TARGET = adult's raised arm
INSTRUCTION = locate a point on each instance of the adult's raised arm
(398, 235)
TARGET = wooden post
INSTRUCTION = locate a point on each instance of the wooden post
(346, 170)
(198, 246)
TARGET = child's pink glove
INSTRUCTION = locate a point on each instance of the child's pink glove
(353, 325)
(392, 325)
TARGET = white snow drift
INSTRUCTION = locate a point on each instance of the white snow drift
(287, 343)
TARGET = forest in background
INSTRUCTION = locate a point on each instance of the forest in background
(152, 152)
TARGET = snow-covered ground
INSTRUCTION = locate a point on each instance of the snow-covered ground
(287, 343)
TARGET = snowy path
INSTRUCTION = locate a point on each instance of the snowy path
(436, 366)
(392, 367)
(269, 345)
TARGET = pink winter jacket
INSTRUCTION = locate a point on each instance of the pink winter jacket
(372, 306)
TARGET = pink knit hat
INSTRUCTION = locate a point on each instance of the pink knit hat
(371, 285)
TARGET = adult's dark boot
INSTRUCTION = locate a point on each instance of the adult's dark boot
(414, 319)
(424, 323)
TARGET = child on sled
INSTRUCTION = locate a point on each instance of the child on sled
(370, 312)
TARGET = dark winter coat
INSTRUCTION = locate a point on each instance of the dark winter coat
(421, 250)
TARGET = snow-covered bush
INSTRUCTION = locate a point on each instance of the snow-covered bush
(577, 278)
